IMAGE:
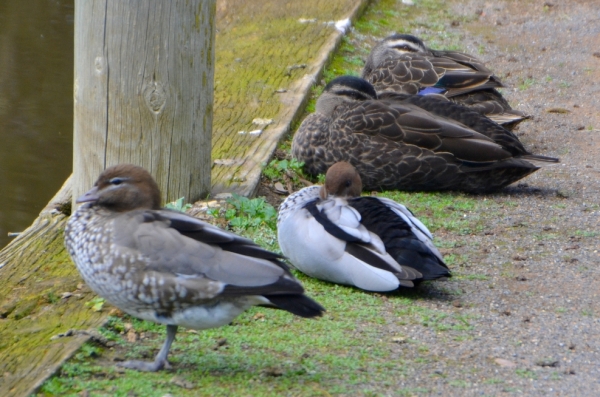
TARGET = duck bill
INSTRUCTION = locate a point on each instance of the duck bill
(89, 196)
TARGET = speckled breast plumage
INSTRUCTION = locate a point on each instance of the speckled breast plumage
(118, 273)
(106, 269)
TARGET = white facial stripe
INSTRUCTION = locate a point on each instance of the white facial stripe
(402, 42)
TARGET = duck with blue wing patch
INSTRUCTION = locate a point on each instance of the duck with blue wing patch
(409, 142)
(402, 63)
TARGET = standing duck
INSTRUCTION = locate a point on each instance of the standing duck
(402, 63)
(331, 233)
(409, 142)
(168, 267)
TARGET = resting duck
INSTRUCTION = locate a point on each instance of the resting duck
(402, 63)
(331, 233)
(409, 142)
(168, 267)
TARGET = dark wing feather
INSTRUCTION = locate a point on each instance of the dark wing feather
(399, 240)
(367, 255)
(300, 305)
(409, 73)
(411, 125)
(462, 58)
(466, 117)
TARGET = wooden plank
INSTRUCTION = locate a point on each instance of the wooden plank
(35, 271)
(264, 47)
(144, 91)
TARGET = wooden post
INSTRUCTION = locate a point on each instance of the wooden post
(144, 91)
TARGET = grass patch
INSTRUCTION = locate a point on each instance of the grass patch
(526, 373)
(526, 83)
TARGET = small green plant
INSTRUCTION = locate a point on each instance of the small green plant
(178, 205)
(51, 297)
(459, 383)
(564, 84)
(245, 213)
(526, 373)
(214, 212)
(473, 277)
(276, 168)
(88, 350)
(587, 312)
(525, 84)
(555, 376)
(96, 304)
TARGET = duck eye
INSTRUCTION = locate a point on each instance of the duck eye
(116, 181)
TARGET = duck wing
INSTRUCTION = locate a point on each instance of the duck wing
(410, 125)
(463, 59)
(405, 238)
(344, 222)
(184, 251)
(409, 73)
(464, 116)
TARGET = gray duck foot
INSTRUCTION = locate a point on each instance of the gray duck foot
(160, 361)
(145, 366)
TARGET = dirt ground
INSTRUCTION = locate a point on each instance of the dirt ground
(533, 299)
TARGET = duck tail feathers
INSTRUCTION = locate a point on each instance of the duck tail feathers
(539, 160)
(300, 305)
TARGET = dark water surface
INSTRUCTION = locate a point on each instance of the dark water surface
(36, 107)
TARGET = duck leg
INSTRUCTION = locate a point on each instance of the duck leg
(160, 361)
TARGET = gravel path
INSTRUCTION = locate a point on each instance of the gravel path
(533, 296)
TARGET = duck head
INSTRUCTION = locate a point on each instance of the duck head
(403, 43)
(124, 187)
(391, 47)
(344, 89)
(341, 180)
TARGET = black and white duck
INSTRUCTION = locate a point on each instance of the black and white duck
(168, 267)
(332, 233)
(402, 63)
(409, 142)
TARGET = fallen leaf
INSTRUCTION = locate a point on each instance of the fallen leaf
(131, 336)
(279, 188)
(273, 371)
(558, 110)
(547, 362)
(505, 363)
(183, 383)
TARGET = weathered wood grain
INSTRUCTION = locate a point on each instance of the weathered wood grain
(144, 91)
(35, 271)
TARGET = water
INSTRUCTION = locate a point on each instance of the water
(36, 107)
